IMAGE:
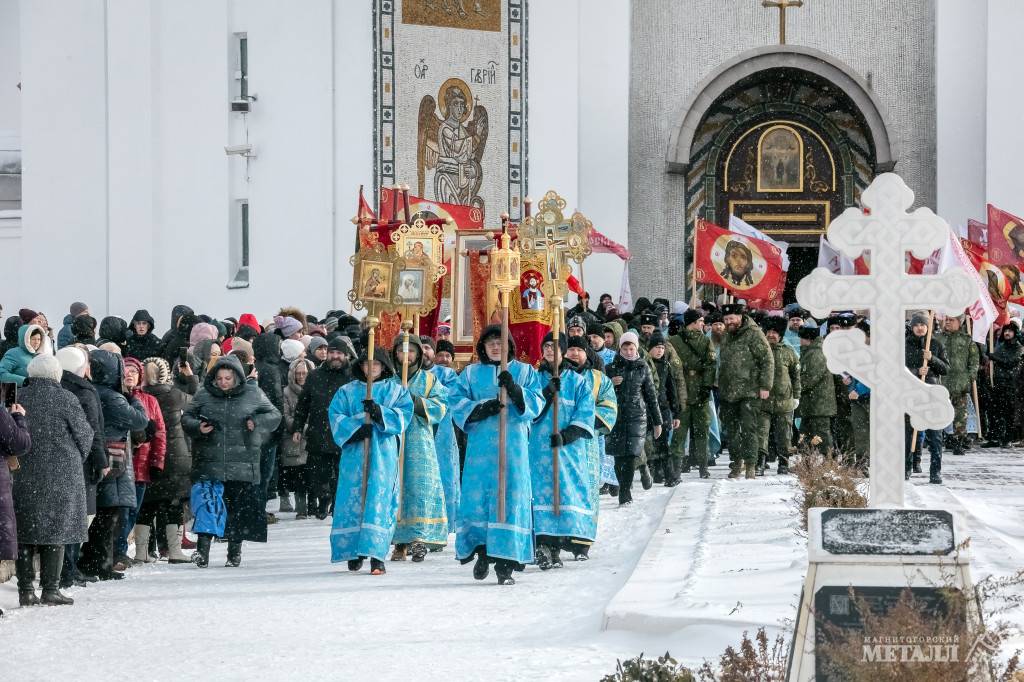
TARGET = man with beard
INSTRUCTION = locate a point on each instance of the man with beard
(777, 410)
(475, 406)
(698, 361)
(446, 444)
(575, 428)
(311, 414)
(746, 378)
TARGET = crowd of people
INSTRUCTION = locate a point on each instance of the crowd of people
(113, 434)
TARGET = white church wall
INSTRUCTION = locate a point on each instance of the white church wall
(1005, 107)
(10, 67)
(961, 76)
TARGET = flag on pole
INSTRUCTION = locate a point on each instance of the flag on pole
(1005, 237)
(833, 260)
(977, 232)
(738, 225)
(602, 244)
(625, 293)
(750, 268)
(983, 311)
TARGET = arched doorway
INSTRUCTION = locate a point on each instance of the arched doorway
(784, 138)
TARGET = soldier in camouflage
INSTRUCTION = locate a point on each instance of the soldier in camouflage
(963, 358)
(777, 410)
(700, 369)
(817, 392)
(745, 379)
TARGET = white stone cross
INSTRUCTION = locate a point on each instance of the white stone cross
(888, 231)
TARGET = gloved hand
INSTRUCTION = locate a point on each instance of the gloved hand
(506, 380)
(155, 473)
(572, 433)
(373, 409)
(486, 409)
(361, 434)
(514, 390)
(556, 440)
(554, 385)
(150, 430)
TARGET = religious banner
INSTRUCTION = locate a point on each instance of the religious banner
(993, 276)
(1005, 238)
(529, 319)
(450, 101)
(977, 231)
(749, 268)
(602, 244)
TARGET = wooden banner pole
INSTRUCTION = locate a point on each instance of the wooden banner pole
(924, 365)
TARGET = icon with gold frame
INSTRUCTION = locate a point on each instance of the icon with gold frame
(373, 280)
(412, 287)
(420, 243)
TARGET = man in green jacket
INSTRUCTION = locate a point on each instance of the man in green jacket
(963, 358)
(744, 380)
(817, 392)
(777, 410)
(699, 366)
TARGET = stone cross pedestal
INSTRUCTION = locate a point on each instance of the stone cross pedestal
(887, 231)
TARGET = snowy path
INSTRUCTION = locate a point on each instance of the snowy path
(724, 558)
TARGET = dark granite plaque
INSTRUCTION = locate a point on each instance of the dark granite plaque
(887, 531)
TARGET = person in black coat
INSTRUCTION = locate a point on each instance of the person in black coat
(228, 422)
(122, 414)
(113, 329)
(321, 473)
(142, 343)
(75, 363)
(638, 409)
(15, 441)
(183, 319)
(266, 349)
(929, 365)
(11, 327)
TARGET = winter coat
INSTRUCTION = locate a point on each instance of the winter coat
(11, 327)
(311, 409)
(175, 483)
(698, 361)
(817, 390)
(914, 355)
(114, 330)
(121, 416)
(66, 335)
(1006, 359)
(668, 403)
(14, 365)
(638, 404)
(786, 385)
(230, 452)
(15, 441)
(142, 347)
(293, 454)
(49, 491)
(149, 453)
(266, 349)
(177, 336)
(747, 364)
(93, 467)
(963, 357)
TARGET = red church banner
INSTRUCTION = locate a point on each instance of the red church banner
(749, 268)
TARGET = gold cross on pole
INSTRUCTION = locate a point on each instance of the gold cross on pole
(782, 5)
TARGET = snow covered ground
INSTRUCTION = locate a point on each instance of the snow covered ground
(729, 549)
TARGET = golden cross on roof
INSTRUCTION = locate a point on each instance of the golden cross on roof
(782, 5)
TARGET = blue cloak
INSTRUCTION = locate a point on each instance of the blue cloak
(448, 450)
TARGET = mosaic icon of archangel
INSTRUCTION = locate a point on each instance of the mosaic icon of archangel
(452, 144)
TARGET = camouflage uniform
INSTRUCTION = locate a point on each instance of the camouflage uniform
(777, 411)
(817, 396)
(700, 368)
(963, 358)
(747, 367)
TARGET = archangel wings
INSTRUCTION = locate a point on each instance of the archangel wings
(426, 141)
(478, 128)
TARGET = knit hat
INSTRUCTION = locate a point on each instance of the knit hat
(77, 308)
(550, 338)
(426, 341)
(316, 342)
(691, 316)
(595, 329)
(133, 362)
(445, 347)
(330, 324)
(629, 337)
(291, 349)
(712, 317)
(679, 308)
(202, 331)
(27, 315)
(577, 342)
(918, 318)
(287, 325)
(248, 320)
(577, 321)
(657, 339)
(344, 344)
(73, 360)
(45, 367)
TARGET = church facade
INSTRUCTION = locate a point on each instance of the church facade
(126, 136)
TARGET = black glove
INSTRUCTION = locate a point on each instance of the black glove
(572, 433)
(361, 434)
(373, 409)
(554, 385)
(505, 380)
(150, 430)
(484, 410)
(419, 407)
(515, 394)
(155, 473)
(556, 440)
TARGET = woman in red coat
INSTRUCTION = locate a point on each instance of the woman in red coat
(148, 453)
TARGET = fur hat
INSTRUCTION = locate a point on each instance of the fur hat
(775, 324)
(734, 309)
(808, 331)
(577, 342)
(691, 316)
(45, 367)
(73, 360)
(291, 349)
(679, 308)
(445, 347)
(649, 318)
(156, 371)
(629, 337)
(595, 329)
(576, 321)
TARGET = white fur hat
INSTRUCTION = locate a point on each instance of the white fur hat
(73, 360)
(45, 367)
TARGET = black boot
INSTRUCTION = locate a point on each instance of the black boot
(543, 557)
(234, 555)
(355, 564)
(377, 567)
(503, 568)
(201, 557)
(658, 471)
(482, 566)
(645, 477)
(917, 461)
(783, 465)
(322, 508)
(958, 444)
(418, 551)
(26, 572)
(556, 559)
(761, 463)
(51, 560)
(613, 490)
